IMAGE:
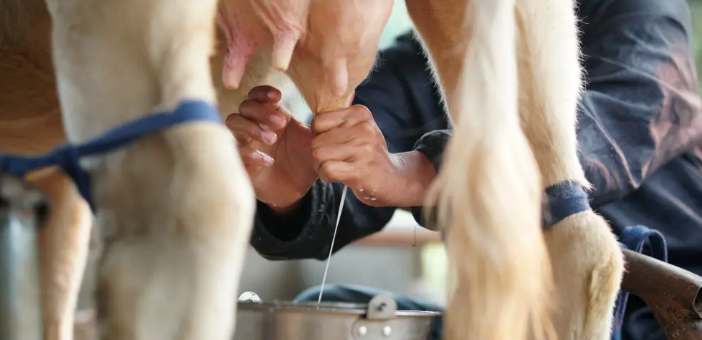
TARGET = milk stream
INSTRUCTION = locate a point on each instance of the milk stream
(331, 248)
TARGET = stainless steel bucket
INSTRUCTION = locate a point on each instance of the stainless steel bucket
(377, 320)
(22, 209)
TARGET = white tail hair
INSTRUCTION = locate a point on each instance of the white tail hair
(488, 192)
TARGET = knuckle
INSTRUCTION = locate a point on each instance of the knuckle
(361, 112)
(367, 128)
(233, 118)
(253, 110)
(234, 122)
(246, 105)
(366, 149)
(241, 140)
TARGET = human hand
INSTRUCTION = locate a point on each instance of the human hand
(349, 147)
(275, 149)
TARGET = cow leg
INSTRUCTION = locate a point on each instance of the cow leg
(586, 259)
(488, 190)
(176, 208)
(64, 241)
(31, 123)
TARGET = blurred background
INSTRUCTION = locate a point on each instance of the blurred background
(404, 258)
(696, 9)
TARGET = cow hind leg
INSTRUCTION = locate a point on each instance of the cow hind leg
(586, 260)
(175, 208)
(488, 189)
(64, 242)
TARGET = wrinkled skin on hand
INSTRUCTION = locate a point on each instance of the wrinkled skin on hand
(334, 42)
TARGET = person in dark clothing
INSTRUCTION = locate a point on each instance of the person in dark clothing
(639, 133)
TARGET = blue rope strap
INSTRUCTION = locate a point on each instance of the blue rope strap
(562, 200)
(635, 238)
(67, 156)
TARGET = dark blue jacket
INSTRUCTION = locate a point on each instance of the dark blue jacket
(639, 132)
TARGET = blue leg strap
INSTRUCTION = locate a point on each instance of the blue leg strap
(67, 156)
(635, 238)
(561, 201)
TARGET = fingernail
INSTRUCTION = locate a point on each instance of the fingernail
(268, 137)
(276, 119)
(267, 160)
(270, 95)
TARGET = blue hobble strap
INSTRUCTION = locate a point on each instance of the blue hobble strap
(562, 200)
(634, 238)
(67, 156)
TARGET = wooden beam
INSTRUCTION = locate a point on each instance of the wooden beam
(400, 238)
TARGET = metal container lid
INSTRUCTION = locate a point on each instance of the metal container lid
(378, 319)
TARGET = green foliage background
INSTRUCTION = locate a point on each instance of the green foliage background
(696, 9)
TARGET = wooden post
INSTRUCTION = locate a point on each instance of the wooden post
(672, 293)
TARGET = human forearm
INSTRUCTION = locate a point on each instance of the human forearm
(414, 176)
(431, 145)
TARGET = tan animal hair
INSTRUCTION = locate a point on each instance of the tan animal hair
(489, 186)
(488, 191)
(182, 242)
(31, 123)
(13, 14)
(510, 77)
(587, 262)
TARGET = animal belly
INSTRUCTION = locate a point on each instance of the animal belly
(327, 47)
(30, 119)
(33, 135)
